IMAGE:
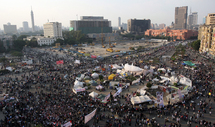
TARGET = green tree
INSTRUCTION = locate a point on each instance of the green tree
(2, 48)
(16, 53)
(18, 45)
(14, 37)
(195, 45)
(4, 61)
(21, 37)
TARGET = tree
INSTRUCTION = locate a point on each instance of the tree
(2, 48)
(4, 61)
(195, 45)
(14, 37)
(18, 45)
(149, 85)
(16, 53)
(21, 37)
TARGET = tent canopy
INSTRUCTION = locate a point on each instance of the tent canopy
(94, 83)
(189, 63)
(132, 68)
(93, 94)
(185, 81)
(99, 87)
(95, 75)
(110, 77)
(140, 99)
(78, 84)
(115, 66)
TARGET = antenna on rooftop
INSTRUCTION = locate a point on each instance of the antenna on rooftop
(77, 16)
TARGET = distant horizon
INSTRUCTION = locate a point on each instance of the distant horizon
(158, 11)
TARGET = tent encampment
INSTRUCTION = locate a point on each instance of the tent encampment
(99, 87)
(140, 99)
(95, 75)
(115, 66)
(110, 77)
(77, 62)
(93, 94)
(78, 84)
(189, 63)
(185, 81)
(132, 68)
(92, 82)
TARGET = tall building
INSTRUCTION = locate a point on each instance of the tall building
(25, 26)
(91, 24)
(52, 30)
(32, 20)
(124, 26)
(210, 20)
(138, 26)
(192, 20)
(181, 17)
(10, 29)
(119, 21)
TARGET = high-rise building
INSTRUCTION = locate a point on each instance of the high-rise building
(10, 29)
(181, 17)
(192, 20)
(53, 30)
(91, 24)
(210, 20)
(119, 21)
(32, 20)
(25, 26)
(138, 26)
(124, 26)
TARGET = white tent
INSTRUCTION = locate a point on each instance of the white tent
(77, 62)
(173, 79)
(9, 68)
(140, 99)
(154, 87)
(115, 66)
(185, 81)
(164, 70)
(146, 67)
(93, 94)
(99, 87)
(95, 75)
(28, 61)
(132, 68)
(78, 84)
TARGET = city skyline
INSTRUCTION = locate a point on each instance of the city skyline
(158, 11)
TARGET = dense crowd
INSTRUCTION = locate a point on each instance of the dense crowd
(52, 103)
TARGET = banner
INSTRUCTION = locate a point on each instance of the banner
(159, 96)
(59, 62)
(118, 92)
(89, 116)
(106, 98)
(179, 94)
(68, 124)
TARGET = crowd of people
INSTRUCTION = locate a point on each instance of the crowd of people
(43, 96)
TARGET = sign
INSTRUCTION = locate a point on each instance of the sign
(68, 124)
(159, 96)
(118, 92)
(106, 98)
(89, 116)
(59, 62)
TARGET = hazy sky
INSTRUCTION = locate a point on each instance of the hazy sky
(159, 11)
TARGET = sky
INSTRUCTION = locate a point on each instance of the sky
(158, 11)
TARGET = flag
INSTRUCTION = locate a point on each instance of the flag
(59, 62)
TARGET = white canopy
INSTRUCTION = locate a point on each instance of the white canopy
(146, 67)
(132, 68)
(164, 70)
(140, 99)
(78, 84)
(173, 79)
(77, 61)
(28, 61)
(95, 75)
(9, 68)
(93, 94)
(115, 66)
(185, 81)
(99, 87)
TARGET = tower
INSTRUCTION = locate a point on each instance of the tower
(119, 21)
(32, 20)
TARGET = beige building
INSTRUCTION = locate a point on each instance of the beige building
(207, 37)
(210, 20)
(52, 30)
